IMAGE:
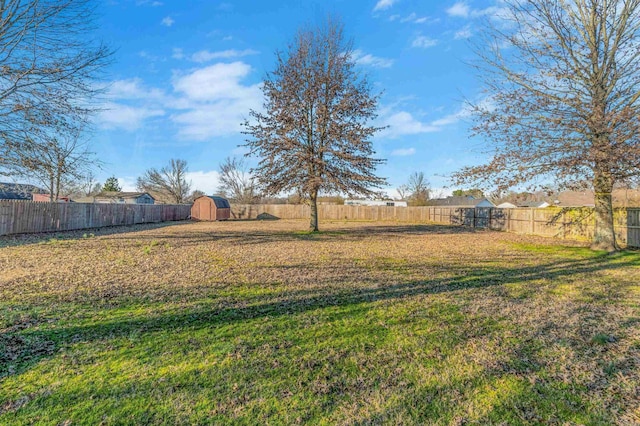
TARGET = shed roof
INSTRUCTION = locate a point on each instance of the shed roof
(220, 202)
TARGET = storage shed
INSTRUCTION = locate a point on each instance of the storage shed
(210, 208)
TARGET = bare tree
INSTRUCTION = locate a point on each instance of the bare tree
(84, 186)
(195, 194)
(419, 189)
(56, 160)
(50, 62)
(563, 79)
(403, 192)
(50, 67)
(170, 182)
(88, 184)
(313, 135)
(236, 181)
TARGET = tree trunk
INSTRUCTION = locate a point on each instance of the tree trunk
(313, 226)
(51, 188)
(57, 194)
(604, 237)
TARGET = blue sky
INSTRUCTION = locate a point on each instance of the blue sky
(186, 73)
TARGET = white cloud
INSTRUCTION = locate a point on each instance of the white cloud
(128, 184)
(133, 89)
(403, 123)
(424, 42)
(205, 181)
(463, 33)
(206, 102)
(221, 118)
(205, 55)
(403, 152)
(367, 59)
(167, 21)
(494, 12)
(413, 18)
(215, 82)
(148, 3)
(459, 10)
(384, 4)
(400, 123)
(214, 100)
(462, 10)
(120, 116)
(177, 53)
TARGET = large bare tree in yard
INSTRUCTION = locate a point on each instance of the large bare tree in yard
(563, 79)
(314, 133)
(169, 183)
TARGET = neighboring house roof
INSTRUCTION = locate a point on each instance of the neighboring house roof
(47, 198)
(114, 194)
(17, 191)
(220, 202)
(374, 203)
(534, 204)
(575, 199)
(621, 198)
(461, 201)
(506, 206)
(84, 200)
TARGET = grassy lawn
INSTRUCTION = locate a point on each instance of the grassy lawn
(365, 323)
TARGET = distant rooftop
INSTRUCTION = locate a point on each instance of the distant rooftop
(116, 194)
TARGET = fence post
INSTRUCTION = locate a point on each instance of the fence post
(532, 221)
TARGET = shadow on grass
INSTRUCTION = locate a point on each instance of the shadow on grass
(196, 236)
(46, 237)
(22, 348)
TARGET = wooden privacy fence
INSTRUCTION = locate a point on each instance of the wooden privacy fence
(23, 217)
(567, 223)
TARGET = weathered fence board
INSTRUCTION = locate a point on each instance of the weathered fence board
(23, 217)
(567, 223)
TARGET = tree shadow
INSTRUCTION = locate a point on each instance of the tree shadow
(197, 236)
(23, 347)
(44, 237)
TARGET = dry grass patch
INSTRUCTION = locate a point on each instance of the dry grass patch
(364, 323)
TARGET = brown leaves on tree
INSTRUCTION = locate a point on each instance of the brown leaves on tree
(313, 135)
(563, 88)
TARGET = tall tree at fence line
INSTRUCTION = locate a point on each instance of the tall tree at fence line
(562, 80)
(314, 134)
(51, 67)
(54, 155)
(196, 193)
(86, 185)
(403, 192)
(111, 185)
(236, 182)
(169, 183)
(419, 189)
